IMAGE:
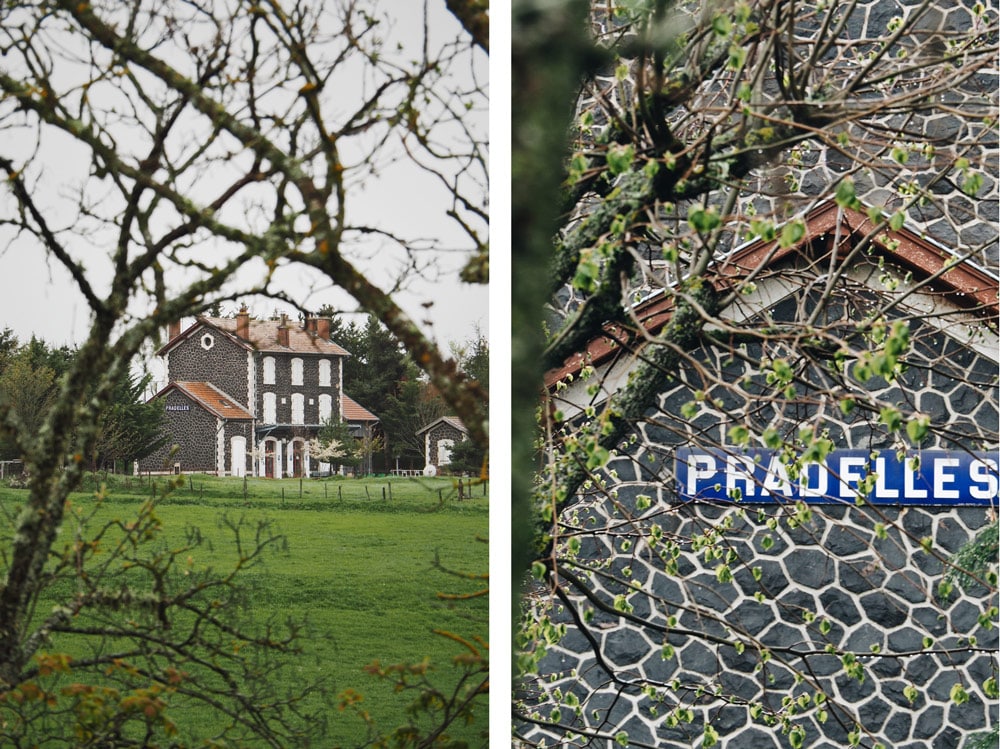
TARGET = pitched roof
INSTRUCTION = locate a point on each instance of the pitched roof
(354, 411)
(453, 421)
(262, 336)
(209, 397)
(964, 283)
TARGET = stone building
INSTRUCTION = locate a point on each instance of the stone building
(699, 559)
(245, 397)
(440, 436)
(770, 554)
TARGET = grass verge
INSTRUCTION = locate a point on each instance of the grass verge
(368, 566)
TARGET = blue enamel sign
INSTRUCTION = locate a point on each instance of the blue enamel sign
(925, 477)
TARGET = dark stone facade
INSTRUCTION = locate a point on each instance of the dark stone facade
(310, 387)
(440, 430)
(224, 364)
(210, 352)
(699, 614)
(803, 586)
(809, 603)
(187, 450)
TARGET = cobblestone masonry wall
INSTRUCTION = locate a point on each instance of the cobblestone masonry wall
(442, 432)
(193, 430)
(951, 217)
(224, 363)
(310, 388)
(859, 579)
(867, 591)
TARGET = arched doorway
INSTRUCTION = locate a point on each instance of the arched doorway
(269, 458)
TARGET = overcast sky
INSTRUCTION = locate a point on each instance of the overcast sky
(37, 296)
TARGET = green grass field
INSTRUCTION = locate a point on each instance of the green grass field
(359, 569)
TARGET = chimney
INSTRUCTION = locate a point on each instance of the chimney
(311, 325)
(243, 324)
(323, 328)
(283, 332)
(173, 330)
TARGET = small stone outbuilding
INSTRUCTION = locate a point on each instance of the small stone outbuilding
(440, 437)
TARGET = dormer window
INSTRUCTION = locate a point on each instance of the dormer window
(207, 341)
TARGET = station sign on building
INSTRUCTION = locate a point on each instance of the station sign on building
(880, 477)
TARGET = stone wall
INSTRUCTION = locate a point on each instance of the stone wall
(832, 580)
(223, 363)
(442, 431)
(193, 430)
(670, 624)
(310, 388)
(689, 615)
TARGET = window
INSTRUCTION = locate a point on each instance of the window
(324, 373)
(270, 409)
(325, 408)
(444, 451)
(298, 408)
(268, 370)
(296, 371)
(207, 341)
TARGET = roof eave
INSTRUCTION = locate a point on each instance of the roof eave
(966, 283)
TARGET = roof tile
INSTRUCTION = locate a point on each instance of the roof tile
(209, 397)
(354, 411)
(264, 337)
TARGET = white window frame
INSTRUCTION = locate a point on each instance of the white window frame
(297, 369)
(325, 407)
(270, 415)
(268, 370)
(444, 448)
(298, 408)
